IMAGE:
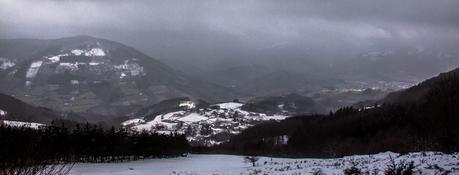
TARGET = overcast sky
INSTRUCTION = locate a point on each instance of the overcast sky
(226, 29)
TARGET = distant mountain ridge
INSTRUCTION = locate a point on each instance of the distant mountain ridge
(88, 74)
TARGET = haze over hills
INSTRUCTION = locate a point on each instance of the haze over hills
(87, 74)
(106, 79)
(90, 75)
(311, 70)
(83, 78)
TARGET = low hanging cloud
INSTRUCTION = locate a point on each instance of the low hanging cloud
(220, 29)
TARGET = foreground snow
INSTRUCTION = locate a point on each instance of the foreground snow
(427, 163)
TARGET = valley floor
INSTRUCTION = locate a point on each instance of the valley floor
(427, 163)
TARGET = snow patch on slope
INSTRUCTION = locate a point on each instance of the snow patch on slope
(22, 124)
(69, 66)
(152, 125)
(77, 52)
(187, 104)
(94, 63)
(33, 69)
(6, 63)
(122, 75)
(193, 117)
(56, 58)
(230, 105)
(132, 121)
(3, 112)
(132, 69)
(95, 52)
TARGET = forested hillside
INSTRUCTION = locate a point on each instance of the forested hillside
(85, 143)
(424, 117)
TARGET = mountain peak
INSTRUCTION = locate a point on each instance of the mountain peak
(84, 36)
(81, 37)
(86, 41)
(87, 74)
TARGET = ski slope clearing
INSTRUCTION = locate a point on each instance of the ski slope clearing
(427, 163)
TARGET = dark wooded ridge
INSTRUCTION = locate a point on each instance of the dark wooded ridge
(424, 117)
(88, 143)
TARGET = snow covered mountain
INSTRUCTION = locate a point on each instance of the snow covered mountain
(87, 74)
(208, 125)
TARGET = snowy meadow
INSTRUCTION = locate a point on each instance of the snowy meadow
(424, 163)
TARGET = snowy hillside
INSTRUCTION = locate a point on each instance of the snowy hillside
(87, 74)
(21, 124)
(425, 163)
(203, 126)
(6, 63)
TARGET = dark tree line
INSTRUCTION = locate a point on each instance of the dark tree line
(86, 143)
(427, 120)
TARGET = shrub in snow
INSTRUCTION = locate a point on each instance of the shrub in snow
(353, 170)
(317, 171)
(401, 168)
(251, 159)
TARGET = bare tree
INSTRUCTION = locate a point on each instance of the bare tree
(251, 159)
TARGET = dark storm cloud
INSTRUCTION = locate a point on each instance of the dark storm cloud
(284, 18)
(220, 29)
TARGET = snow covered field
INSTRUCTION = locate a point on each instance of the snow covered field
(427, 163)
